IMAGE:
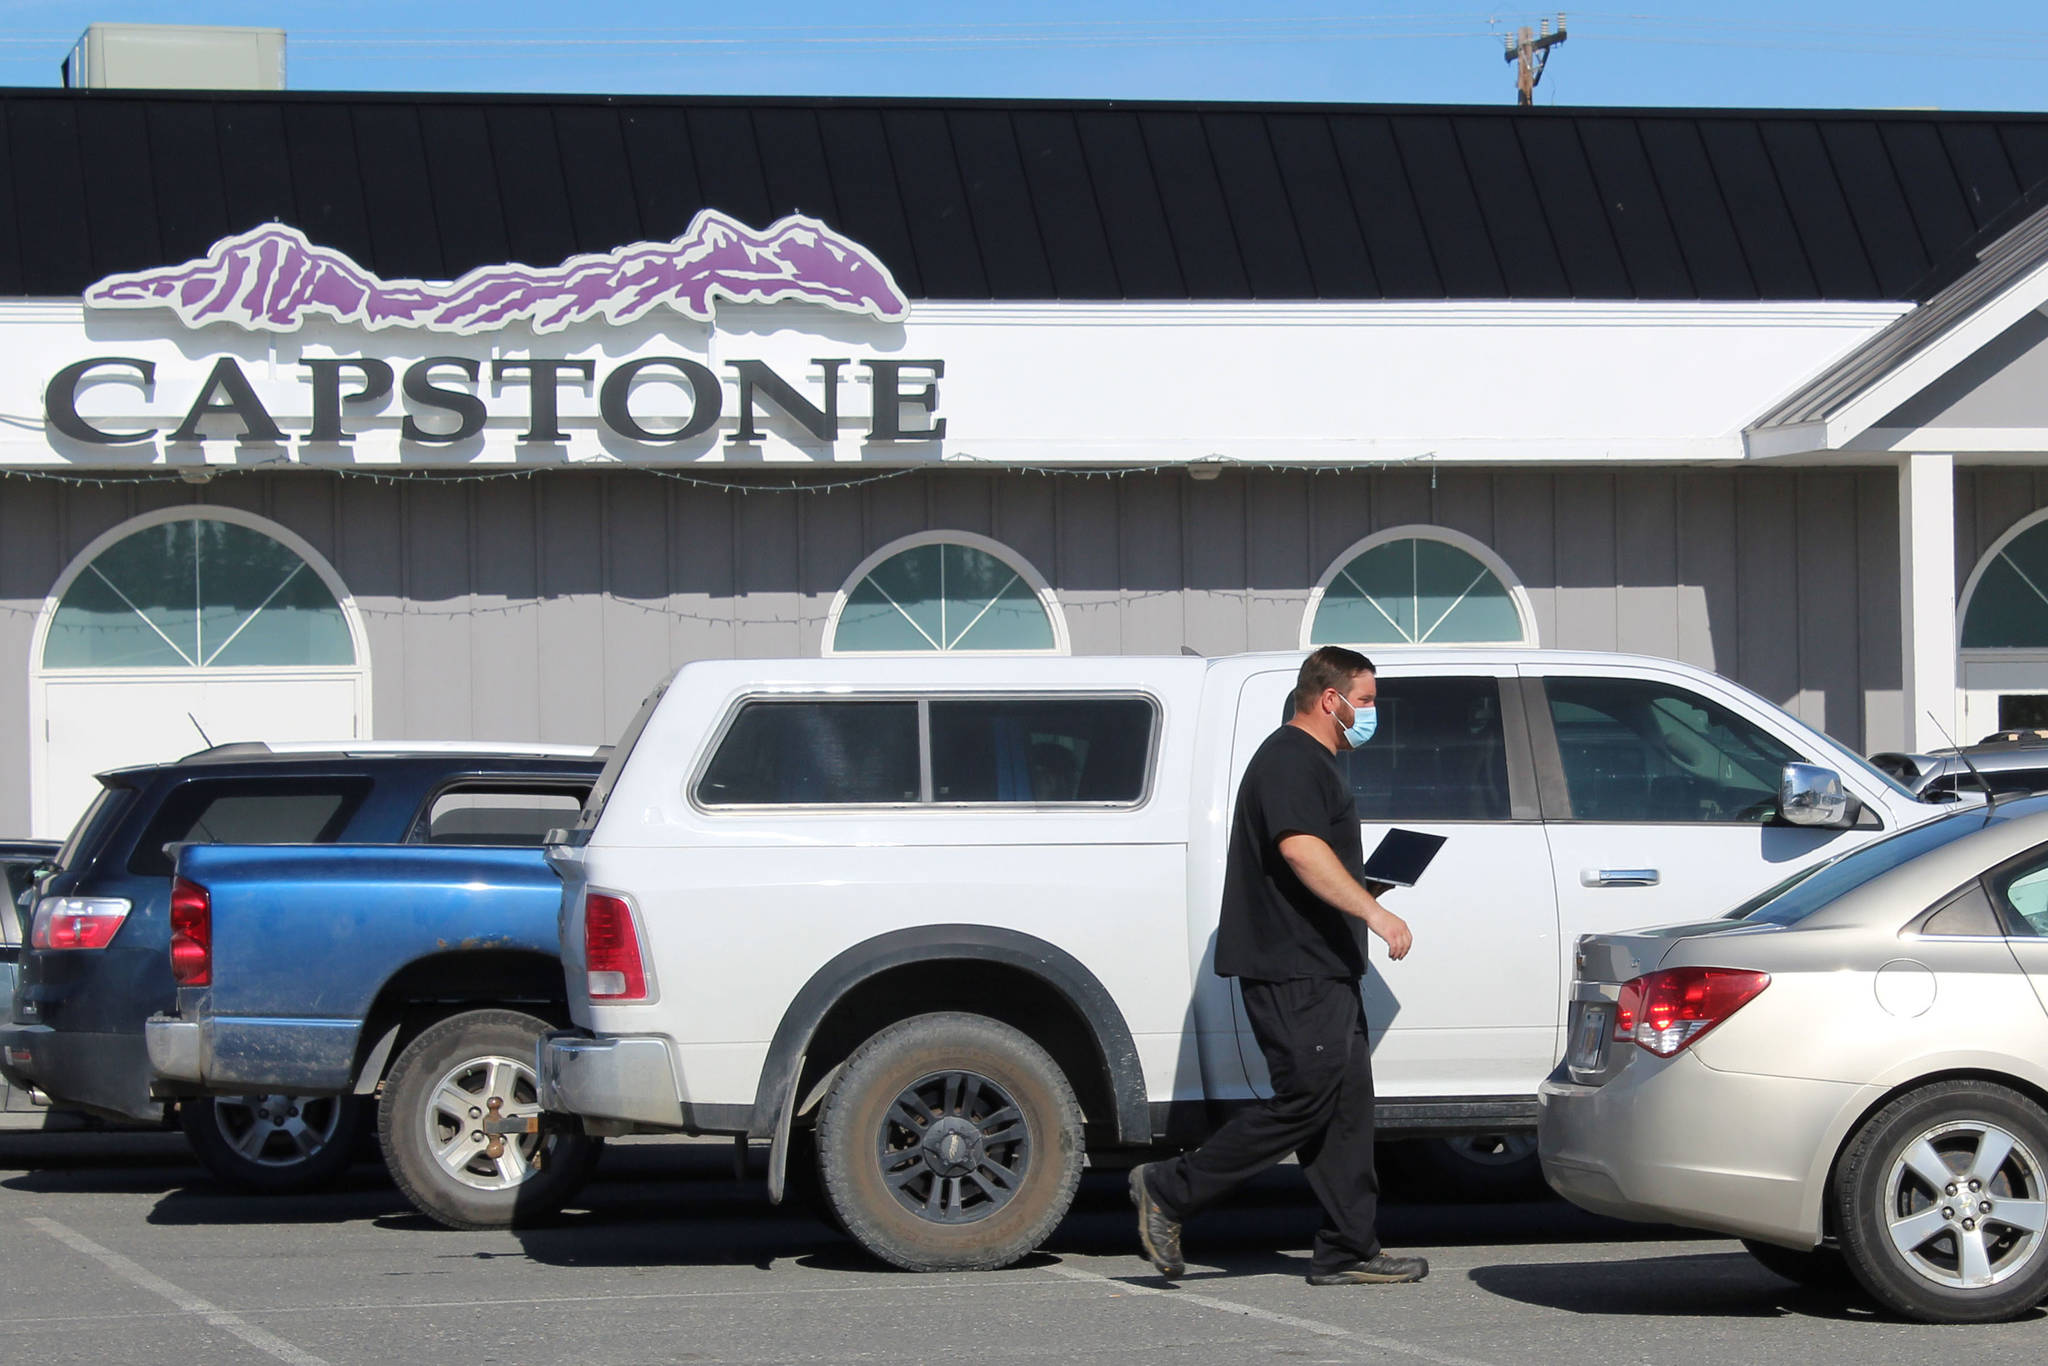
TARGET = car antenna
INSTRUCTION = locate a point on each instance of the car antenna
(1990, 797)
(201, 729)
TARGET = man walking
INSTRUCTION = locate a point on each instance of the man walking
(1291, 891)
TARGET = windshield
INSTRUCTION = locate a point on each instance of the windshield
(1809, 889)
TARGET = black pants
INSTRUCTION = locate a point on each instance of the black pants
(1312, 1032)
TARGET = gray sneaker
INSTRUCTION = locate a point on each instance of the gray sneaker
(1378, 1269)
(1156, 1230)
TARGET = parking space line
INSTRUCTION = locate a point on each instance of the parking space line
(138, 1275)
(1322, 1330)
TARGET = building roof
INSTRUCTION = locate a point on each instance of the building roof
(1036, 200)
(1994, 286)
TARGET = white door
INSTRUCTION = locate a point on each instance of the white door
(1472, 1010)
(91, 724)
(1667, 801)
(183, 628)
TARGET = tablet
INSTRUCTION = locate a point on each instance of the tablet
(1402, 857)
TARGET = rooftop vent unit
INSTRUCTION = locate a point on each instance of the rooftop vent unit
(176, 57)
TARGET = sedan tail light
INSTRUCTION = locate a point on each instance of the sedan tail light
(1666, 1012)
(76, 922)
(191, 934)
(611, 950)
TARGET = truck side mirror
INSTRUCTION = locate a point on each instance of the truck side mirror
(1811, 795)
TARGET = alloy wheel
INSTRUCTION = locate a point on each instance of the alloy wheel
(954, 1147)
(1963, 1204)
(277, 1131)
(455, 1113)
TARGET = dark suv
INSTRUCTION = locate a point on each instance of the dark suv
(96, 962)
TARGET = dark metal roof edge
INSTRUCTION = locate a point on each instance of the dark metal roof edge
(991, 102)
(2022, 249)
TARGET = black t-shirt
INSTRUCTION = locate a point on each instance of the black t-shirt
(1274, 928)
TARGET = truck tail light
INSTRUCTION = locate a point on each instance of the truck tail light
(191, 934)
(76, 922)
(1666, 1011)
(611, 950)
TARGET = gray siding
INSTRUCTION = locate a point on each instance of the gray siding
(544, 608)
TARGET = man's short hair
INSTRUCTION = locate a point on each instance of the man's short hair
(1331, 666)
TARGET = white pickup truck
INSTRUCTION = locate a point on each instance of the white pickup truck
(941, 925)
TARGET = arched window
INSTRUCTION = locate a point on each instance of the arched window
(1418, 585)
(945, 592)
(2005, 604)
(195, 590)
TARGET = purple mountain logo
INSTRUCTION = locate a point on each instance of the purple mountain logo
(271, 279)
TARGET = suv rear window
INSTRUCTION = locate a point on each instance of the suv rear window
(1040, 750)
(815, 754)
(310, 811)
(498, 814)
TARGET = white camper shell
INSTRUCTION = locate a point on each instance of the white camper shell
(940, 925)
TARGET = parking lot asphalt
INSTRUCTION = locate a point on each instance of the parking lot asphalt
(116, 1248)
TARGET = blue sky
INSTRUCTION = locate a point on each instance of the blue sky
(1826, 53)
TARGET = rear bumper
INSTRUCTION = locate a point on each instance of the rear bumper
(625, 1078)
(236, 1053)
(1679, 1142)
(106, 1073)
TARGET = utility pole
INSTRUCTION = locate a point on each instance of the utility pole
(1530, 52)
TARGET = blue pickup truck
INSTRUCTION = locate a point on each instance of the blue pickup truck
(374, 903)
(438, 971)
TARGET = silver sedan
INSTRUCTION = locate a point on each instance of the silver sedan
(1850, 1072)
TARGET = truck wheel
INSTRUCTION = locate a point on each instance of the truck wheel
(1939, 1202)
(274, 1145)
(436, 1099)
(950, 1143)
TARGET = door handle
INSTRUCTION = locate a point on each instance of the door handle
(1619, 877)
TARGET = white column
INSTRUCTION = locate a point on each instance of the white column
(1927, 596)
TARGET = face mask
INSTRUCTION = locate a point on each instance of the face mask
(1363, 724)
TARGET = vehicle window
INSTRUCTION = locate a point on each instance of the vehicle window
(1040, 750)
(1439, 754)
(815, 753)
(476, 814)
(106, 808)
(2026, 894)
(1805, 892)
(1641, 751)
(313, 811)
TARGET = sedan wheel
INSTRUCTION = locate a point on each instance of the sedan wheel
(1943, 1198)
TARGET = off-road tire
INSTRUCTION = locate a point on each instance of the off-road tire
(857, 1137)
(222, 1130)
(1874, 1184)
(460, 1053)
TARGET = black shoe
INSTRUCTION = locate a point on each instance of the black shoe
(1379, 1269)
(1156, 1230)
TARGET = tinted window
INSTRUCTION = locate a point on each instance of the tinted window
(1439, 753)
(1094, 749)
(485, 814)
(815, 753)
(304, 812)
(1635, 750)
(1806, 891)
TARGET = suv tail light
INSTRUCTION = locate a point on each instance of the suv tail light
(191, 934)
(611, 950)
(1666, 1011)
(76, 922)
